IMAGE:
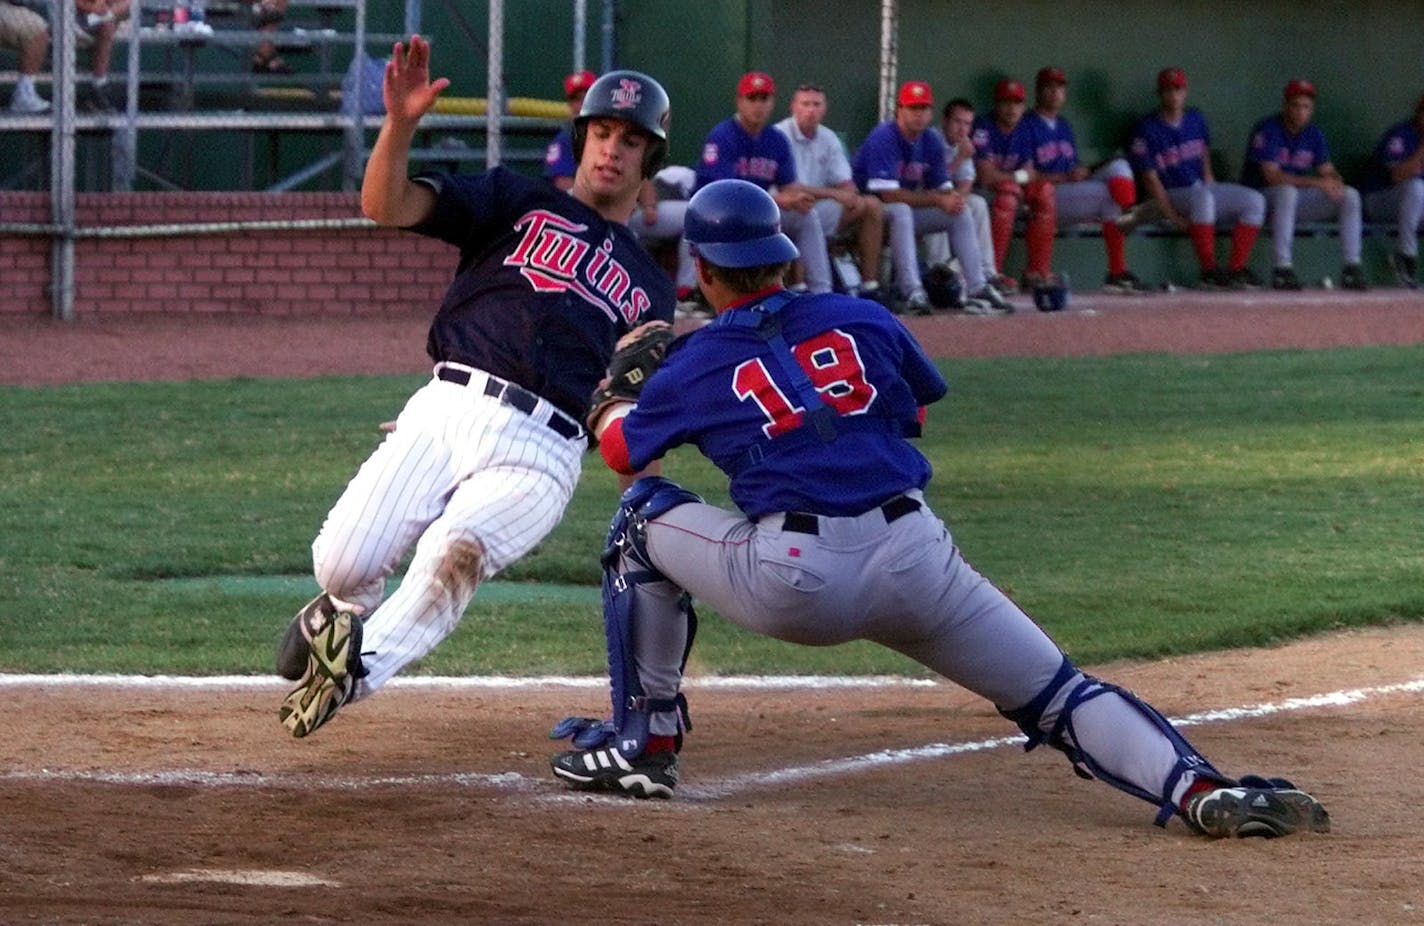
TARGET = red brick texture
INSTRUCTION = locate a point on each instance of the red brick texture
(332, 272)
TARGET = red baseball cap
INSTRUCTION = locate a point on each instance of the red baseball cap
(577, 82)
(1170, 78)
(1299, 87)
(1048, 76)
(915, 93)
(755, 82)
(1009, 89)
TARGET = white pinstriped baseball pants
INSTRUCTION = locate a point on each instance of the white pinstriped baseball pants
(473, 484)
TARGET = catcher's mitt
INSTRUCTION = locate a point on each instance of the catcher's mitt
(637, 356)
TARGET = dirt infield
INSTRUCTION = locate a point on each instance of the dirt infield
(186, 803)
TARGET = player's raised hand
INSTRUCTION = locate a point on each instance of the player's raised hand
(408, 91)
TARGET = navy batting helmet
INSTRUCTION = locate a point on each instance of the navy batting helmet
(633, 97)
(733, 223)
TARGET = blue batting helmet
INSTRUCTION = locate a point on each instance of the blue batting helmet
(734, 223)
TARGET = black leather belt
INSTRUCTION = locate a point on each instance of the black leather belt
(515, 397)
(894, 510)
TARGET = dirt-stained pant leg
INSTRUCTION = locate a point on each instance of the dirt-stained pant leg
(475, 484)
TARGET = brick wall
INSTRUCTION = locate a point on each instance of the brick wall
(313, 272)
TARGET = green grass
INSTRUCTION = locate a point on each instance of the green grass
(1137, 506)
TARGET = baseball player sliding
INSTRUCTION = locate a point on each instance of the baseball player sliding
(797, 399)
(485, 456)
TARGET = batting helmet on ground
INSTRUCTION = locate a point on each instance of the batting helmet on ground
(633, 97)
(733, 223)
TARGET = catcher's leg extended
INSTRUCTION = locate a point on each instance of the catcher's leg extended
(1111, 734)
(649, 624)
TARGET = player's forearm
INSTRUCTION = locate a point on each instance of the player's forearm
(991, 175)
(914, 198)
(388, 196)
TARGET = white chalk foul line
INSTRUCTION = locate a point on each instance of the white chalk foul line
(852, 764)
(707, 791)
(456, 683)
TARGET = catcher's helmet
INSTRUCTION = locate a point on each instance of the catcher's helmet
(734, 223)
(633, 97)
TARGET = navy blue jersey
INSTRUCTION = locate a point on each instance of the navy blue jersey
(1398, 142)
(887, 160)
(544, 287)
(731, 152)
(724, 390)
(1178, 153)
(1007, 150)
(1055, 148)
(1271, 142)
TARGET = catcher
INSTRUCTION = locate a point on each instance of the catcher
(808, 404)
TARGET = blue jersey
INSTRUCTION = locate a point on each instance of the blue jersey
(1055, 150)
(1177, 153)
(559, 156)
(1398, 143)
(889, 160)
(724, 389)
(544, 287)
(1271, 143)
(1007, 151)
(730, 152)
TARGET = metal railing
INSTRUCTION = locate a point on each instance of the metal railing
(64, 123)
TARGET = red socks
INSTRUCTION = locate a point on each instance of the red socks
(660, 744)
(1243, 238)
(1204, 242)
(1116, 243)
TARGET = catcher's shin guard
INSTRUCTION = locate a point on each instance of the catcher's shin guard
(1078, 688)
(1042, 226)
(1003, 210)
(626, 565)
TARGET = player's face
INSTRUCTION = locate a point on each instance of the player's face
(755, 111)
(1174, 99)
(1297, 112)
(913, 120)
(1051, 97)
(1008, 112)
(958, 124)
(612, 164)
(808, 108)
